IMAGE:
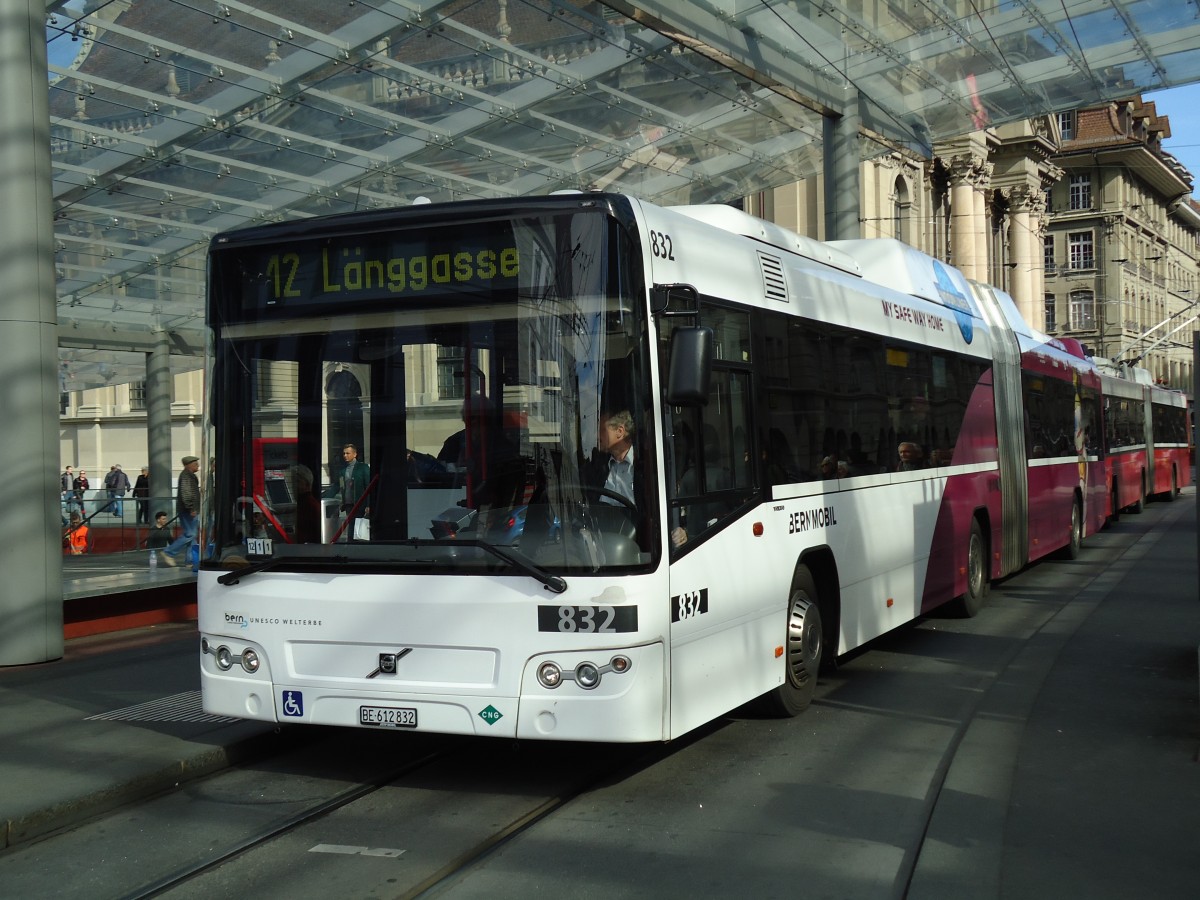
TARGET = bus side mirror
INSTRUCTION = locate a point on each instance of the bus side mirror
(689, 370)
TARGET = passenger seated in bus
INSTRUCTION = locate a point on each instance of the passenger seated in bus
(447, 469)
(911, 456)
(829, 466)
(940, 457)
(476, 451)
(488, 465)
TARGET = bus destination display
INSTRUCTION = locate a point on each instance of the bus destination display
(329, 272)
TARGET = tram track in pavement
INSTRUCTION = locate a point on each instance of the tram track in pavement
(456, 861)
(265, 835)
(338, 800)
(446, 853)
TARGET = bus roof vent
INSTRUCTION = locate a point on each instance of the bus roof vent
(774, 284)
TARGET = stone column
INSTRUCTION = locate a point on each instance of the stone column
(31, 602)
(964, 230)
(983, 243)
(1037, 237)
(1020, 243)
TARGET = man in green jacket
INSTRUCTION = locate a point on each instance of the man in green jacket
(352, 485)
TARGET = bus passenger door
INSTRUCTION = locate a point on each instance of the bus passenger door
(722, 612)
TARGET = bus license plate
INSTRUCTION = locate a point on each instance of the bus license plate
(387, 716)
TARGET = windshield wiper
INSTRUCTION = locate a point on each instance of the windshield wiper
(520, 563)
(231, 578)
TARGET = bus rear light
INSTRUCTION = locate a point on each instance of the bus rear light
(250, 661)
(890, 601)
(224, 659)
(620, 664)
(758, 529)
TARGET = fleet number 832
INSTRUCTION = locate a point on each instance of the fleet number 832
(587, 619)
(661, 245)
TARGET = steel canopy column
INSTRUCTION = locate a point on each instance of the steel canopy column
(30, 516)
(843, 174)
(158, 423)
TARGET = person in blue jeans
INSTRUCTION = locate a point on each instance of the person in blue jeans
(116, 483)
(187, 506)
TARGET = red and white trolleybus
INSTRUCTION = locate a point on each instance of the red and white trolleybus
(627, 467)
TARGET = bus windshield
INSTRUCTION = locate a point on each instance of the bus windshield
(428, 395)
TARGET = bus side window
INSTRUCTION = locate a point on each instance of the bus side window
(713, 471)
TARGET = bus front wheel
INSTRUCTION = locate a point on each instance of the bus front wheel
(804, 646)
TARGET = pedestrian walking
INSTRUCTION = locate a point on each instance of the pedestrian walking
(187, 507)
(116, 484)
(141, 491)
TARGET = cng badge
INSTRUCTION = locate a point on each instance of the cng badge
(490, 714)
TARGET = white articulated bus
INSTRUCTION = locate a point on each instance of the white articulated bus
(617, 469)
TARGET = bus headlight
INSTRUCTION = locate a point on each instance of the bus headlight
(225, 659)
(549, 675)
(587, 676)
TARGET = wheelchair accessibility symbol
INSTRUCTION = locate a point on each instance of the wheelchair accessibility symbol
(293, 703)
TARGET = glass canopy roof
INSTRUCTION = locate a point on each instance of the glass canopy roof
(173, 120)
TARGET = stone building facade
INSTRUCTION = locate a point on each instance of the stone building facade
(1121, 247)
(1083, 217)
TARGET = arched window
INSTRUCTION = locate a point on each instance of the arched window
(343, 393)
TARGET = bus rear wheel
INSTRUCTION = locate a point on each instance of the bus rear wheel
(972, 600)
(804, 647)
(1075, 542)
